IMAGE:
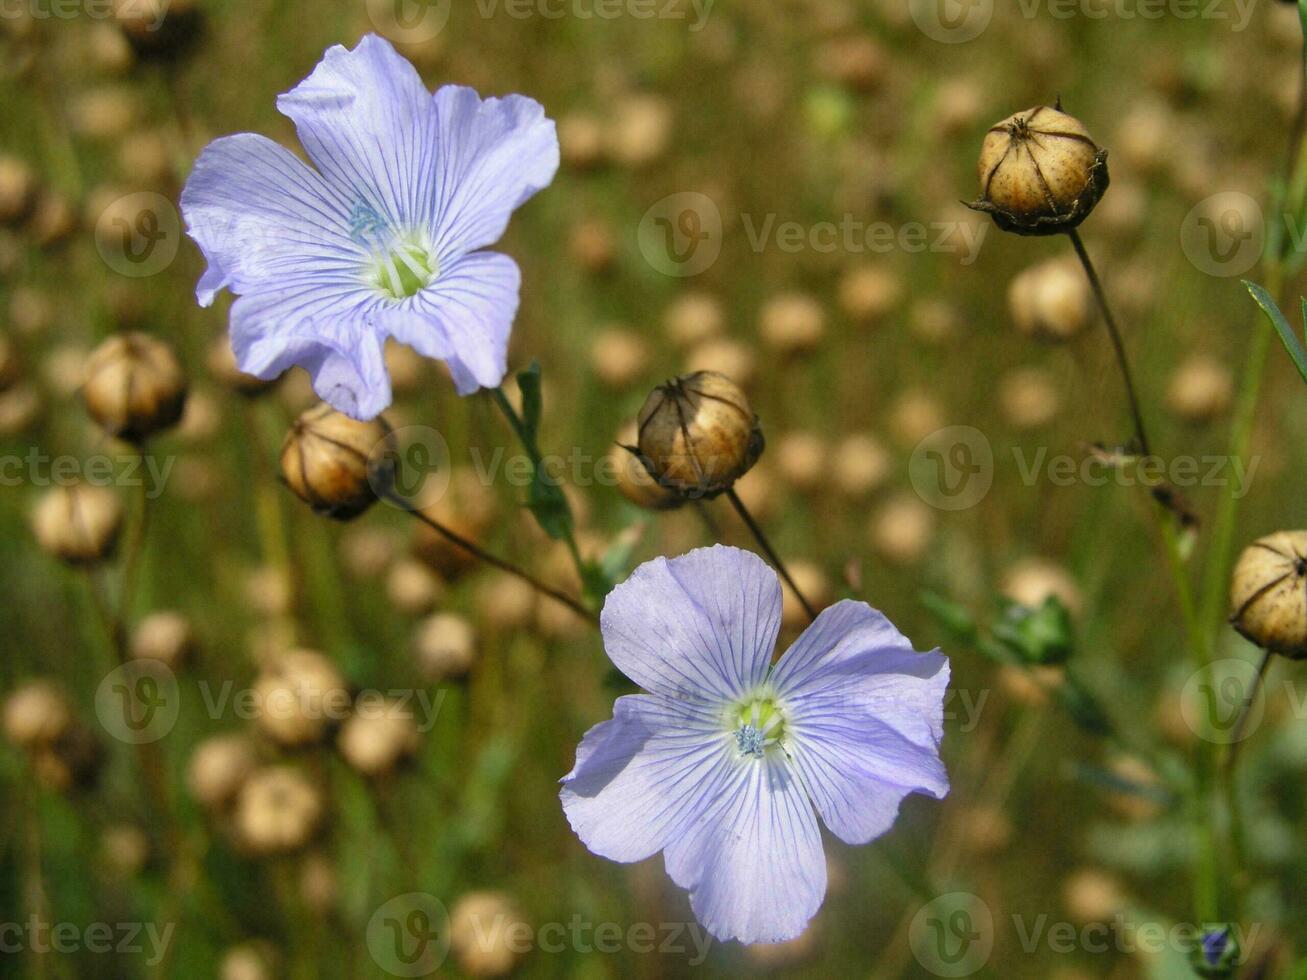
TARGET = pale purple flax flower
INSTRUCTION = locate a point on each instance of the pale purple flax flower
(727, 762)
(383, 238)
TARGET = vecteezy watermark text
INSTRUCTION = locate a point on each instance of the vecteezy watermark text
(39, 469)
(37, 935)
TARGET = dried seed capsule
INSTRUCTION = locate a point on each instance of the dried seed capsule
(278, 811)
(78, 524)
(218, 769)
(480, 924)
(36, 714)
(339, 466)
(1040, 172)
(134, 386)
(698, 435)
(1268, 593)
(379, 735)
(1051, 301)
(166, 636)
(299, 696)
(445, 647)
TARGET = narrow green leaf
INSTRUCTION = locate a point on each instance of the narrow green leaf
(528, 382)
(1290, 340)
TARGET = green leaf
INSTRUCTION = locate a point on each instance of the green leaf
(528, 382)
(546, 501)
(1040, 635)
(1290, 340)
(953, 616)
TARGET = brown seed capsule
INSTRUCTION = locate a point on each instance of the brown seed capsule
(1040, 172)
(1029, 397)
(792, 323)
(698, 435)
(134, 386)
(619, 357)
(1201, 390)
(278, 811)
(17, 189)
(635, 483)
(218, 769)
(412, 587)
(1268, 593)
(378, 735)
(299, 697)
(339, 466)
(1051, 301)
(78, 524)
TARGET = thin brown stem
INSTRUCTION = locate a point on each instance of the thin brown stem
(1237, 732)
(496, 562)
(774, 558)
(1118, 345)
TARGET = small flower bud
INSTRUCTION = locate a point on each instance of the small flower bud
(79, 523)
(299, 695)
(278, 811)
(1268, 593)
(36, 714)
(218, 769)
(445, 646)
(1218, 953)
(698, 435)
(1040, 172)
(378, 735)
(339, 466)
(134, 386)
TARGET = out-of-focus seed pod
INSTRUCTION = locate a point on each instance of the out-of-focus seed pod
(218, 769)
(959, 104)
(249, 961)
(869, 293)
(859, 465)
(467, 508)
(406, 367)
(723, 355)
(53, 219)
(319, 883)
(107, 50)
(915, 415)
(619, 357)
(1029, 398)
(641, 130)
(72, 763)
(855, 61)
(221, 362)
(986, 829)
(166, 636)
(367, 551)
(412, 587)
(1268, 593)
(124, 849)
(505, 603)
(792, 323)
(693, 319)
(1040, 172)
(20, 407)
(481, 924)
(17, 189)
(581, 140)
(269, 591)
(379, 735)
(933, 321)
(698, 434)
(445, 647)
(79, 524)
(1051, 301)
(300, 696)
(1146, 137)
(134, 386)
(816, 588)
(159, 28)
(901, 530)
(1201, 390)
(801, 460)
(1092, 895)
(278, 811)
(31, 312)
(104, 113)
(593, 246)
(36, 714)
(144, 157)
(201, 418)
(1032, 580)
(339, 466)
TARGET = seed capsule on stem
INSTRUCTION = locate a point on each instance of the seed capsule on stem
(79, 524)
(134, 386)
(1268, 593)
(339, 466)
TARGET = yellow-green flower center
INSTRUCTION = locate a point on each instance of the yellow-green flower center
(758, 725)
(404, 269)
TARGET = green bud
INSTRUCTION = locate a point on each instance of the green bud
(1039, 636)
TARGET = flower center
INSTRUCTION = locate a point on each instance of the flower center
(401, 263)
(758, 724)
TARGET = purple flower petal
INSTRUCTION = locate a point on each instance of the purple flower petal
(700, 626)
(865, 718)
(643, 777)
(754, 864)
(494, 155)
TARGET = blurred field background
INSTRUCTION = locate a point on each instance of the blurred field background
(809, 111)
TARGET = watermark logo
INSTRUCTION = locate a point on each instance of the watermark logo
(681, 235)
(952, 936)
(138, 235)
(952, 468)
(1223, 235)
(138, 702)
(1217, 696)
(951, 21)
(417, 470)
(409, 21)
(409, 935)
